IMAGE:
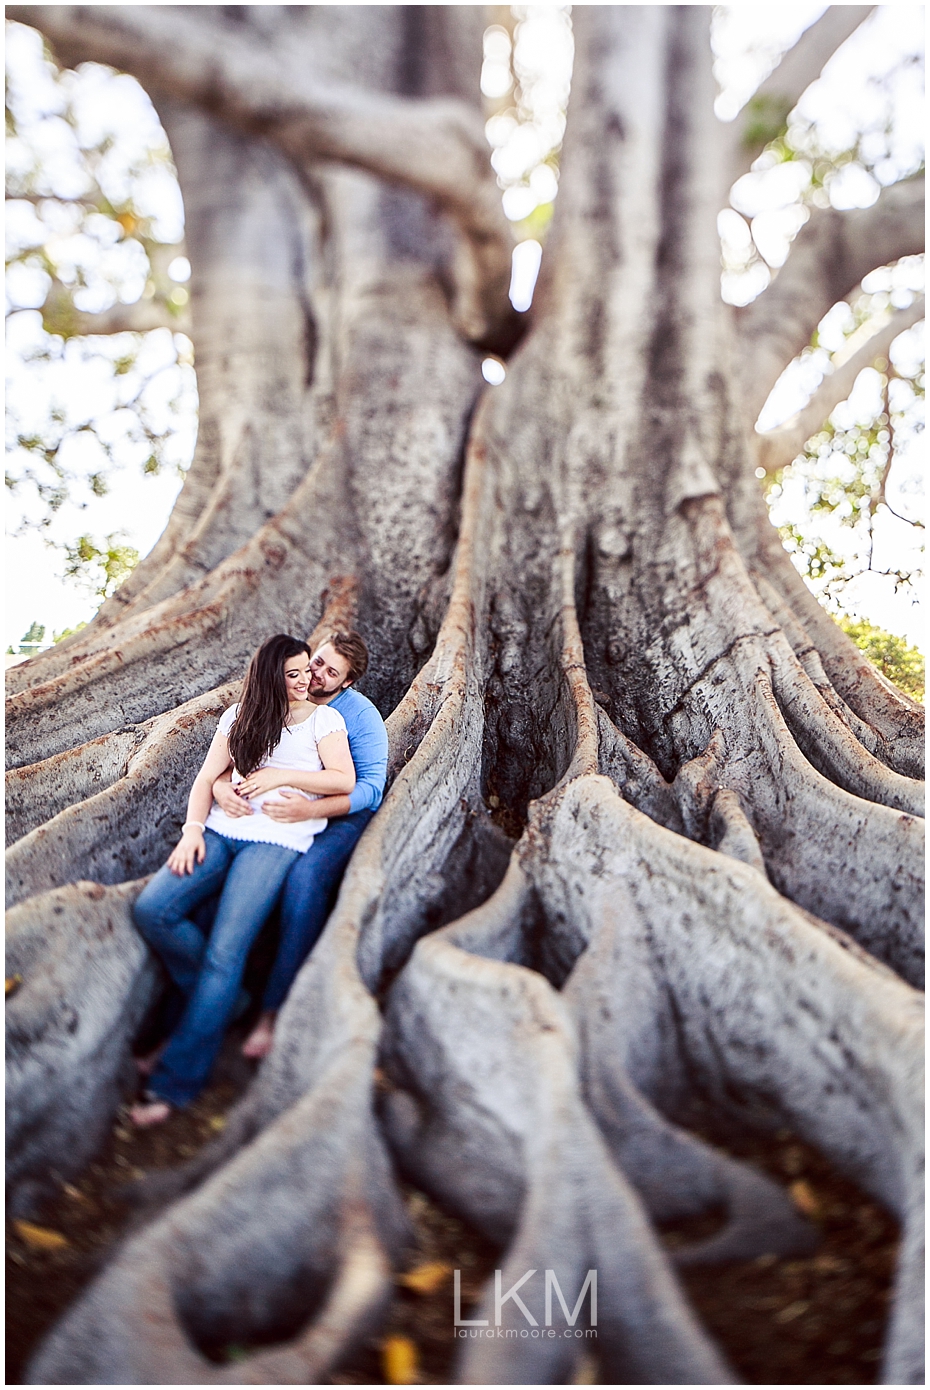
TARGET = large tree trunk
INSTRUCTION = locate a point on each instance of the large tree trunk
(580, 617)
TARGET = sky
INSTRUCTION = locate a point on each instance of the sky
(111, 113)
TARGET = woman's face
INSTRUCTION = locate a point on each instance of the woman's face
(297, 676)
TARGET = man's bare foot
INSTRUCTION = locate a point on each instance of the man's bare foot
(261, 1039)
(150, 1111)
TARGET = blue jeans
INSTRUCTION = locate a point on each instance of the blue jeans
(309, 895)
(207, 971)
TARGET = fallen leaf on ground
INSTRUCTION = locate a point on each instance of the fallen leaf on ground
(830, 1264)
(804, 1198)
(400, 1361)
(586, 1371)
(794, 1310)
(13, 983)
(426, 1278)
(40, 1237)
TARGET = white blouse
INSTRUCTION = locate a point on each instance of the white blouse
(297, 750)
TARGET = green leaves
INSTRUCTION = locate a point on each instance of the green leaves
(766, 119)
(100, 566)
(901, 664)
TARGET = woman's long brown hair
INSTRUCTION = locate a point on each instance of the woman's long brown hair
(264, 705)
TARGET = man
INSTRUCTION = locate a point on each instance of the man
(311, 886)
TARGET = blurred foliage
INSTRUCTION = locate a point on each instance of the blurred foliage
(30, 642)
(67, 632)
(93, 221)
(536, 225)
(841, 153)
(100, 566)
(526, 78)
(766, 120)
(93, 232)
(841, 484)
(901, 664)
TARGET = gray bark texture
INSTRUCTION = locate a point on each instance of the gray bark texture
(577, 610)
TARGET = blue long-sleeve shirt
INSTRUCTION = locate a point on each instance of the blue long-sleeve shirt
(368, 744)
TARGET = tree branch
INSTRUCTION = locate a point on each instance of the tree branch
(776, 448)
(60, 316)
(434, 146)
(829, 258)
(803, 63)
(770, 105)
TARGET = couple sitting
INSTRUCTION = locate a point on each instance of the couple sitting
(300, 748)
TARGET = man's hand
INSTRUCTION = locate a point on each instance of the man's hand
(291, 807)
(189, 850)
(229, 800)
(264, 779)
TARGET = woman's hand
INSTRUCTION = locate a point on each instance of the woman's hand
(189, 850)
(228, 799)
(291, 807)
(264, 779)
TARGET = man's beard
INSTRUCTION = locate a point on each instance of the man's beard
(321, 689)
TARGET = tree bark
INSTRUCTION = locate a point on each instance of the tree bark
(574, 616)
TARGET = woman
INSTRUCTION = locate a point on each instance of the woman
(273, 726)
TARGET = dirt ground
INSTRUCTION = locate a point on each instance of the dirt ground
(813, 1321)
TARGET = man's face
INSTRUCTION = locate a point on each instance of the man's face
(329, 672)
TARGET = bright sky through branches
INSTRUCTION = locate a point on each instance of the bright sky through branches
(869, 102)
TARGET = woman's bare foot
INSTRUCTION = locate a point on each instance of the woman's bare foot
(261, 1039)
(150, 1111)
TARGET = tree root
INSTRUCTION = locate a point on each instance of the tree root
(897, 720)
(680, 963)
(804, 823)
(143, 797)
(809, 658)
(732, 831)
(530, 1166)
(493, 1139)
(37, 792)
(833, 750)
(725, 956)
(390, 883)
(87, 979)
(636, 775)
(312, 1071)
(329, 1216)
